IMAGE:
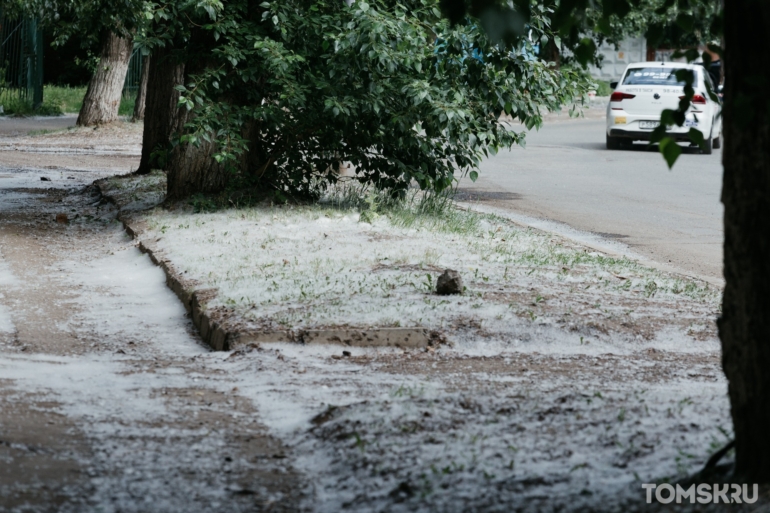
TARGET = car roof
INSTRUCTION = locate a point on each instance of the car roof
(668, 64)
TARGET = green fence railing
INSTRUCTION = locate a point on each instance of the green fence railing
(134, 73)
(21, 61)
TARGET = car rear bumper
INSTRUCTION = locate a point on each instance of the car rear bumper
(625, 126)
(638, 135)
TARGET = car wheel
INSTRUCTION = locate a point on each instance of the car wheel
(717, 142)
(613, 143)
(708, 145)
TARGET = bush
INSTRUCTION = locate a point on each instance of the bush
(293, 88)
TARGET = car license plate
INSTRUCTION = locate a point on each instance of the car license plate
(688, 122)
(649, 124)
(620, 120)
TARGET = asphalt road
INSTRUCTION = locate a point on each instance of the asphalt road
(566, 175)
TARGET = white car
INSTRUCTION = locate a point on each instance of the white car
(645, 89)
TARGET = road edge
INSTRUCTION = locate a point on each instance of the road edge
(530, 222)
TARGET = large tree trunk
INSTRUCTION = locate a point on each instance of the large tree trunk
(160, 121)
(102, 99)
(141, 94)
(744, 326)
(192, 169)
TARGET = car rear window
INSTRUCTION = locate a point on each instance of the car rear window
(652, 76)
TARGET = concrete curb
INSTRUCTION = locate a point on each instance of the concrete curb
(194, 301)
(220, 335)
(217, 333)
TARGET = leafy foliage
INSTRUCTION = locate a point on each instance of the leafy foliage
(291, 89)
(86, 20)
(675, 23)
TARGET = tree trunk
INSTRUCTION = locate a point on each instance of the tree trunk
(744, 326)
(102, 99)
(163, 75)
(192, 169)
(141, 94)
(551, 53)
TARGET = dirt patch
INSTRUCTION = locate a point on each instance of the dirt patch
(56, 144)
(11, 126)
(649, 366)
(26, 246)
(41, 453)
(106, 404)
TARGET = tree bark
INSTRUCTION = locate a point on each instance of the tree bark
(551, 53)
(163, 75)
(744, 326)
(141, 94)
(192, 169)
(105, 89)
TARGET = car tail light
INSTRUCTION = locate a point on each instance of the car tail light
(699, 99)
(617, 96)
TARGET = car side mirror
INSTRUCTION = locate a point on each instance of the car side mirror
(613, 85)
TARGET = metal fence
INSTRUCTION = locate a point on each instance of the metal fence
(21, 61)
(134, 74)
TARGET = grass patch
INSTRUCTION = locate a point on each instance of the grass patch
(433, 212)
(57, 100)
(491, 239)
(67, 99)
(13, 105)
(603, 88)
(127, 105)
(357, 257)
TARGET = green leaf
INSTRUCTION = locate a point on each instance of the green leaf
(585, 51)
(473, 175)
(604, 25)
(619, 8)
(670, 151)
(696, 136)
(685, 21)
(655, 34)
